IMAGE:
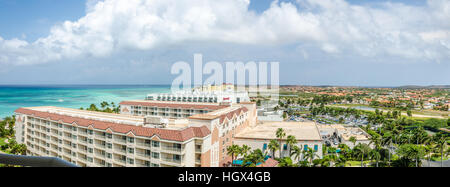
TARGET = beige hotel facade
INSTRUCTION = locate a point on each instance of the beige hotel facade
(197, 138)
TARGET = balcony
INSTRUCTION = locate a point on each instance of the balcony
(171, 161)
(175, 150)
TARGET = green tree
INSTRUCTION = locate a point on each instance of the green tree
(310, 154)
(245, 150)
(441, 143)
(409, 152)
(254, 158)
(291, 141)
(280, 135)
(296, 152)
(233, 151)
(361, 151)
(286, 162)
(353, 140)
(273, 146)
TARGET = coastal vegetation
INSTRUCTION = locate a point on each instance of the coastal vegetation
(8, 144)
(392, 146)
(104, 107)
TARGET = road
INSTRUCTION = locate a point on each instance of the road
(446, 163)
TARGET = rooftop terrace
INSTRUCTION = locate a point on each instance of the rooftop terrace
(266, 130)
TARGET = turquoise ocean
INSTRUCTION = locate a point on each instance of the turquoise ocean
(71, 96)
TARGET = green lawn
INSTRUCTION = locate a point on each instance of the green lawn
(357, 163)
(439, 158)
(2, 142)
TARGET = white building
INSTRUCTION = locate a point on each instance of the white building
(201, 97)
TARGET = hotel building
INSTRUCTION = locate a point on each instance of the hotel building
(206, 94)
(175, 134)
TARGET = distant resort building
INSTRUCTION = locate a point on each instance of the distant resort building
(258, 137)
(206, 94)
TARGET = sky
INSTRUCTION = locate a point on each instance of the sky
(326, 42)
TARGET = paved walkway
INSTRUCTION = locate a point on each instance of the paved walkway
(446, 163)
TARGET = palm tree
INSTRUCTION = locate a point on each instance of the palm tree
(273, 146)
(341, 161)
(332, 157)
(353, 140)
(291, 140)
(244, 150)
(296, 152)
(429, 148)
(408, 152)
(104, 104)
(387, 141)
(361, 150)
(233, 151)
(441, 142)
(280, 135)
(375, 154)
(254, 158)
(310, 154)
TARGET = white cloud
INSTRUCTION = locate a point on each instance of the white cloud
(334, 26)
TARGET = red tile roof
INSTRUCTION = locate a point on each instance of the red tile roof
(222, 117)
(230, 115)
(166, 134)
(173, 105)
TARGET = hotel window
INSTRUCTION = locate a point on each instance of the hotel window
(155, 144)
(90, 132)
(176, 157)
(155, 155)
(147, 153)
(90, 150)
(130, 139)
(305, 147)
(108, 165)
(264, 147)
(89, 159)
(130, 161)
(131, 150)
(108, 135)
(90, 141)
(108, 155)
(285, 147)
(316, 147)
(147, 163)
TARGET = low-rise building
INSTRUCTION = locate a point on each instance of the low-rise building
(259, 136)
